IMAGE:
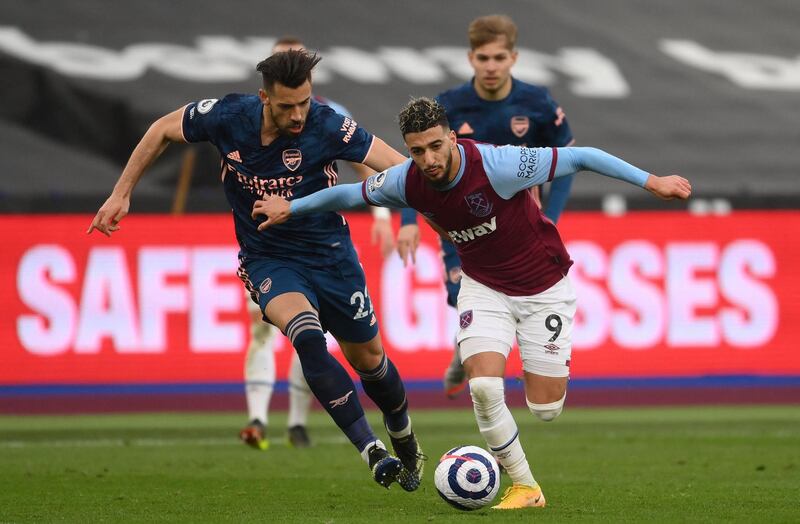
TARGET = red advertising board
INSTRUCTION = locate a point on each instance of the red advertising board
(659, 294)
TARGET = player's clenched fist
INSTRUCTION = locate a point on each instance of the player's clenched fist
(669, 187)
(275, 208)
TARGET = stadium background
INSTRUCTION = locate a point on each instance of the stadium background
(679, 303)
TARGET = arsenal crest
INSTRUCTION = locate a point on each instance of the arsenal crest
(479, 205)
(465, 319)
(292, 159)
(520, 125)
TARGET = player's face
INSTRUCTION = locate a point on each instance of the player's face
(288, 107)
(432, 152)
(492, 64)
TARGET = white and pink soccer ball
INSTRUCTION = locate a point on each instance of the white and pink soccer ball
(467, 477)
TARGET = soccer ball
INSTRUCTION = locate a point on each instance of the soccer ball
(467, 477)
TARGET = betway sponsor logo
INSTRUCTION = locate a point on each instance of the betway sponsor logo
(587, 72)
(465, 235)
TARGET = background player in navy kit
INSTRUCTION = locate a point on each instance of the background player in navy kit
(304, 274)
(496, 108)
(515, 264)
(259, 368)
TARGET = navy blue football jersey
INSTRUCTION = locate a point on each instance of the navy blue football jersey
(528, 116)
(290, 167)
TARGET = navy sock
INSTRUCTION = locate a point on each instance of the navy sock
(384, 387)
(328, 380)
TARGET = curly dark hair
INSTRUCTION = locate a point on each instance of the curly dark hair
(288, 68)
(421, 114)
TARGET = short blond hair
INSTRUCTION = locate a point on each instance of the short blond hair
(487, 29)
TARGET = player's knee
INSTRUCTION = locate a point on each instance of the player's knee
(486, 391)
(305, 333)
(547, 412)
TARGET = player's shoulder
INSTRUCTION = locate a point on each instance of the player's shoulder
(463, 94)
(323, 114)
(531, 94)
(229, 104)
(337, 107)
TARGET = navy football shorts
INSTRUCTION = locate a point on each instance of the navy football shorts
(337, 292)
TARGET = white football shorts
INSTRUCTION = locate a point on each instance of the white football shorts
(541, 323)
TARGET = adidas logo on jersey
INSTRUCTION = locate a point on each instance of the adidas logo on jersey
(465, 129)
(465, 235)
(234, 155)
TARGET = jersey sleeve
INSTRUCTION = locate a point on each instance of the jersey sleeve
(512, 168)
(387, 188)
(202, 120)
(553, 130)
(343, 138)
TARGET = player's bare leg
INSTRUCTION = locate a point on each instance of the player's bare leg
(485, 367)
(293, 314)
(545, 395)
(383, 385)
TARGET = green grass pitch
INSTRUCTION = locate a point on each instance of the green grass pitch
(722, 464)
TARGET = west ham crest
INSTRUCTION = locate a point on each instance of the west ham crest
(478, 204)
(292, 159)
(520, 125)
(465, 319)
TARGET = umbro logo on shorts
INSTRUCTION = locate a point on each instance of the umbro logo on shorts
(551, 348)
(465, 319)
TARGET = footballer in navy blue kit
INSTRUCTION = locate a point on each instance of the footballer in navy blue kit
(496, 108)
(314, 254)
(259, 369)
(305, 274)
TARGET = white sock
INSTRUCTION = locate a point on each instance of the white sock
(365, 453)
(406, 431)
(300, 395)
(259, 372)
(498, 427)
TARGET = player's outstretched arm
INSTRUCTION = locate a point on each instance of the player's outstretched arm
(163, 131)
(573, 159)
(277, 210)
